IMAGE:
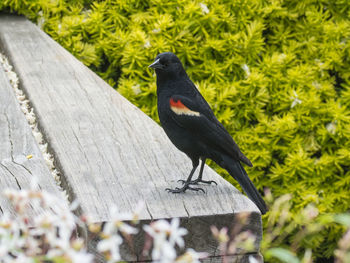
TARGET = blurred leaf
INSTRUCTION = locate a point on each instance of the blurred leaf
(343, 219)
(282, 254)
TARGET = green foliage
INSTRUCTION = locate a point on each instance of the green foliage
(304, 227)
(276, 73)
(282, 254)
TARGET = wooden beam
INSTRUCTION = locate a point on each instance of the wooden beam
(109, 152)
(16, 143)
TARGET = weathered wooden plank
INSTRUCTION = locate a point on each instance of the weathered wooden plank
(200, 237)
(235, 258)
(17, 142)
(108, 151)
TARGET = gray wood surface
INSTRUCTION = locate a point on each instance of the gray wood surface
(108, 151)
(16, 142)
(199, 236)
(235, 258)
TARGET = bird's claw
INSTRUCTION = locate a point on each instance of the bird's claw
(181, 181)
(178, 190)
(209, 182)
(198, 181)
(197, 189)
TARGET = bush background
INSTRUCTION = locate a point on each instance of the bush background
(275, 72)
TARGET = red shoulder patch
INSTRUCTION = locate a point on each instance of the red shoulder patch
(177, 104)
(180, 109)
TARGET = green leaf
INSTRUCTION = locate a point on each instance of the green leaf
(282, 254)
(343, 219)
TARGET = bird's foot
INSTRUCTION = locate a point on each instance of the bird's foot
(197, 181)
(183, 189)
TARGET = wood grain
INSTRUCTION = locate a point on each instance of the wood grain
(17, 141)
(199, 236)
(109, 152)
(235, 259)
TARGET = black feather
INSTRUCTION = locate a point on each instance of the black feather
(237, 171)
(191, 125)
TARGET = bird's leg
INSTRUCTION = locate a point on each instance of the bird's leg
(199, 179)
(187, 183)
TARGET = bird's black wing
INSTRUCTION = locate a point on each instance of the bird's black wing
(189, 114)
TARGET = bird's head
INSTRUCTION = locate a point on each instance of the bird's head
(168, 65)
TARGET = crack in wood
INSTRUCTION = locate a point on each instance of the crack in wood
(11, 151)
(188, 214)
(10, 134)
(18, 140)
(149, 212)
(98, 165)
(14, 177)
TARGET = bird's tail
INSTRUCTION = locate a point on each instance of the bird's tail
(237, 171)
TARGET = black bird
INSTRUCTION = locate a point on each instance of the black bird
(192, 127)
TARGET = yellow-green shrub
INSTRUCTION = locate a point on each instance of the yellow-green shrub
(276, 73)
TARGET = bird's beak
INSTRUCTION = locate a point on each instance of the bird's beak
(156, 64)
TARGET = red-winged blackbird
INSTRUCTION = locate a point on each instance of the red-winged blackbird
(192, 127)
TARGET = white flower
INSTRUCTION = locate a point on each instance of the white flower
(295, 99)
(161, 226)
(147, 44)
(295, 102)
(22, 258)
(220, 235)
(282, 57)
(165, 236)
(191, 256)
(110, 233)
(52, 216)
(253, 259)
(162, 249)
(111, 245)
(204, 8)
(332, 127)
(316, 84)
(116, 223)
(80, 256)
(41, 22)
(136, 89)
(176, 233)
(246, 70)
(55, 252)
